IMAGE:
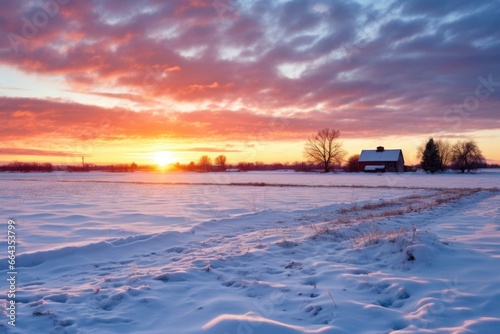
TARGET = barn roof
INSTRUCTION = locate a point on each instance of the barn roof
(374, 155)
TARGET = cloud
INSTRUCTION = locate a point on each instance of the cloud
(205, 149)
(395, 68)
(34, 152)
(119, 96)
(29, 119)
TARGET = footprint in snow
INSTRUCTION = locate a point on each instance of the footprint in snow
(395, 301)
(314, 310)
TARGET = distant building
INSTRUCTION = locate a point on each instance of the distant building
(381, 160)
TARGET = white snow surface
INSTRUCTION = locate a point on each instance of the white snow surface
(275, 252)
(374, 155)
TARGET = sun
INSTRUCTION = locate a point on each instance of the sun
(163, 158)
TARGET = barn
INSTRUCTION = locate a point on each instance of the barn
(381, 160)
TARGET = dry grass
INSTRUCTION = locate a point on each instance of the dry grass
(380, 205)
(332, 229)
(403, 237)
(415, 203)
(409, 204)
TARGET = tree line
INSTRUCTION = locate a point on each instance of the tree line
(438, 155)
(26, 167)
(322, 150)
(325, 150)
(220, 163)
(47, 167)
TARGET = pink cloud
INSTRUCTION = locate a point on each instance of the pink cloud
(362, 70)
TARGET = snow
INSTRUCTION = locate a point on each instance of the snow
(383, 156)
(235, 253)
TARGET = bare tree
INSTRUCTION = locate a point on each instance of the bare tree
(221, 160)
(420, 150)
(353, 163)
(466, 155)
(324, 149)
(27, 167)
(204, 163)
(245, 166)
(444, 150)
(191, 167)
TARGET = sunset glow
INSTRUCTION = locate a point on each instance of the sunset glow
(250, 80)
(163, 159)
(257, 166)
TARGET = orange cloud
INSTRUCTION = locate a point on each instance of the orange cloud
(402, 79)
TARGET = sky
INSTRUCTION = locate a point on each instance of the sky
(131, 80)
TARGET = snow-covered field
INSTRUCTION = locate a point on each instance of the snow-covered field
(253, 253)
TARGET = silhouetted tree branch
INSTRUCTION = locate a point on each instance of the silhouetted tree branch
(324, 149)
